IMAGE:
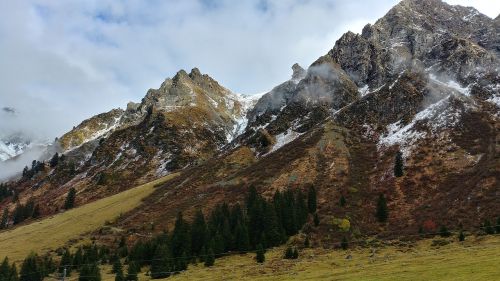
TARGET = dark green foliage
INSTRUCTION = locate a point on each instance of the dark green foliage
(344, 244)
(8, 272)
(90, 272)
(70, 199)
(24, 212)
(210, 258)
(162, 263)
(444, 232)
(31, 269)
(342, 201)
(488, 228)
(117, 266)
(399, 165)
(181, 240)
(132, 271)
(119, 275)
(497, 226)
(54, 160)
(382, 211)
(36, 166)
(307, 243)
(291, 253)
(5, 219)
(66, 262)
(316, 219)
(198, 233)
(5, 191)
(260, 257)
(311, 200)
(461, 236)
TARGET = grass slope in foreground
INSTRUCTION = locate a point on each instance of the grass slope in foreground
(475, 259)
(55, 231)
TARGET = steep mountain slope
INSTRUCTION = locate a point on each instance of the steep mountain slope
(184, 122)
(423, 80)
(416, 81)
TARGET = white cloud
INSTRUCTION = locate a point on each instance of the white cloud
(63, 61)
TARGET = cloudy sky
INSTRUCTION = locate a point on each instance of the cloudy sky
(63, 61)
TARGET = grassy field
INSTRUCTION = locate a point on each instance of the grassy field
(55, 231)
(475, 259)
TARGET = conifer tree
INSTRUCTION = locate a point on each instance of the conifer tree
(70, 199)
(295, 253)
(132, 271)
(198, 233)
(5, 219)
(488, 228)
(13, 273)
(260, 257)
(311, 200)
(316, 219)
(66, 262)
(181, 240)
(119, 275)
(342, 201)
(30, 269)
(443, 231)
(90, 272)
(5, 269)
(54, 160)
(399, 165)
(117, 266)
(497, 226)
(288, 253)
(307, 243)
(241, 238)
(272, 228)
(161, 264)
(344, 244)
(210, 258)
(461, 236)
(382, 211)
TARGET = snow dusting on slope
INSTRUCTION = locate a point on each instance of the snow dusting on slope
(435, 117)
(284, 138)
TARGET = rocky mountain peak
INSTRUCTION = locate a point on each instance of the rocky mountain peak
(298, 72)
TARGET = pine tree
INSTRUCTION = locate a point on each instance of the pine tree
(90, 272)
(311, 200)
(488, 228)
(241, 238)
(119, 275)
(160, 266)
(54, 160)
(13, 273)
(210, 258)
(260, 257)
(132, 271)
(66, 262)
(5, 269)
(342, 201)
(198, 233)
(272, 228)
(443, 231)
(497, 226)
(117, 266)
(344, 244)
(288, 253)
(5, 219)
(461, 236)
(316, 219)
(70, 199)
(30, 269)
(295, 253)
(399, 165)
(382, 211)
(181, 240)
(307, 243)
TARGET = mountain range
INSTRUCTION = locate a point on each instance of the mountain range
(422, 82)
